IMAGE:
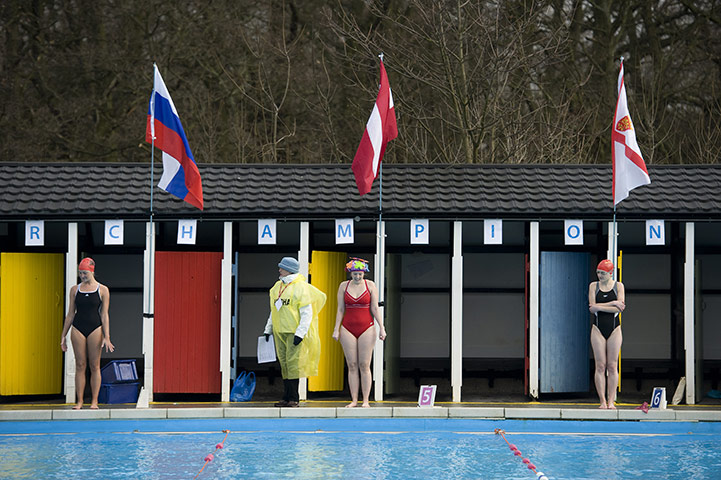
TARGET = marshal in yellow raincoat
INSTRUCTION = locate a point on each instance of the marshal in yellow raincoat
(301, 361)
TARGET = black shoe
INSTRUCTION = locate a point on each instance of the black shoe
(291, 403)
(284, 403)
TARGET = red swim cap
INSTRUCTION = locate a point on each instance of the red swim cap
(605, 265)
(87, 264)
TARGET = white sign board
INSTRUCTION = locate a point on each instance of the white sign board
(658, 398)
(187, 232)
(419, 232)
(573, 232)
(266, 232)
(655, 232)
(493, 232)
(35, 233)
(343, 231)
(427, 396)
(114, 232)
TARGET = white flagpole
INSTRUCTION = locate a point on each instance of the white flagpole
(152, 140)
(378, 351)
(380, 205)
(146, 393)
(380, 175)
(613, 247)
(615, 226)
(614, 254)
(150, 307)
(380, 192)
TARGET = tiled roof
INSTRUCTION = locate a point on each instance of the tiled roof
(251, 191)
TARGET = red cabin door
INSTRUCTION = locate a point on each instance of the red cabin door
(186, 357)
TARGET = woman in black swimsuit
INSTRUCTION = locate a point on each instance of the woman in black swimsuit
(606, 299)
(88, 315)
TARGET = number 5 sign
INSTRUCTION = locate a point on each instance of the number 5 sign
(427, 396)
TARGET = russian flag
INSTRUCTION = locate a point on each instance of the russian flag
(180, 173)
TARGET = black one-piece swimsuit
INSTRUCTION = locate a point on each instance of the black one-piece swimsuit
(87, 311)
(605, 321)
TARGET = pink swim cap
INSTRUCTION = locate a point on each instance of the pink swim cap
(605, 265)
(87, 264)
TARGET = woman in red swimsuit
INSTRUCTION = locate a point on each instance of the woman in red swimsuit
(354, 327)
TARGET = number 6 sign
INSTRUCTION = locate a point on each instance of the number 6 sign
(658, 398)
(427, 396)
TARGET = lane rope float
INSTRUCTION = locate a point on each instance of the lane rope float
(209, 457)
(517, 453)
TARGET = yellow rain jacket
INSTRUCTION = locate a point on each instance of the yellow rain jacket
(295, 295)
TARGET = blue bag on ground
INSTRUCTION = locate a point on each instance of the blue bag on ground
(243, 388)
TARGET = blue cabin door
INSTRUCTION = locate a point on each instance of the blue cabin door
(564, 322)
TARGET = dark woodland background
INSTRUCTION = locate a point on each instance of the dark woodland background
(294, 81)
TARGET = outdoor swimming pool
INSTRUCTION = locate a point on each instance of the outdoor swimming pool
(362, 449)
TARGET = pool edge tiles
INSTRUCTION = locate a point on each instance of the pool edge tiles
(85, 414)
(476, 412)
(510, 413)
(533, 413)
(588, 414)
(138, 413)
(19, 415)
(375, 412)
(251, 412)
(652, 415)
(319, 412)
(195, 412)
(418, 412)
(702, 416)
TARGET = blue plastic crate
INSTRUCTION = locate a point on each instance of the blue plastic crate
(119, 371)
(118, 393)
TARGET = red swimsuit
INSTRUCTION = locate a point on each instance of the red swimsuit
(357, 318)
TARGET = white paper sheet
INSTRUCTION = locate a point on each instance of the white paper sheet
(266, 350)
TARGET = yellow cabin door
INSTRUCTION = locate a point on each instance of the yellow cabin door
(327, 270)
(31, 321)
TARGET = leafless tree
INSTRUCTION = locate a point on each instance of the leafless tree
(489, 81)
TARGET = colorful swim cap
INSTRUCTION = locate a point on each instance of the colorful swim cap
(605, 265)
(356, 265)
(87, 264)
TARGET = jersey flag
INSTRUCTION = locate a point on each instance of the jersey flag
(629, 169)
(380, 129)
(180, 172)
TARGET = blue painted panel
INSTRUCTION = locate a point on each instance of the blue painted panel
(564, 322)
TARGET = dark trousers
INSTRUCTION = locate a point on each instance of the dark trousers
(291, 390)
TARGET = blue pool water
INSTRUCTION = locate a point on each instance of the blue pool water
(362, 449)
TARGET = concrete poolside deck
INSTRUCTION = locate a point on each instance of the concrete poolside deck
(336, 409)
(479, 401)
